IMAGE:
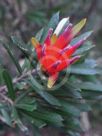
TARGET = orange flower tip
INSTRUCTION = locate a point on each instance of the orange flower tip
(78, 26)
(61, 25)
(74, 59)
(34, 42)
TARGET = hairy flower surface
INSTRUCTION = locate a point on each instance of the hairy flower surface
(56, 52)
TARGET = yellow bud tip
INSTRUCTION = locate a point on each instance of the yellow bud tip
(79, 26)
(50, 83)
(34, 42)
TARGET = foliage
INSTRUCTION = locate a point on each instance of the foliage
(25, 100)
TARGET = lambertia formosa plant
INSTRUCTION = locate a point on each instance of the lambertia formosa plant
(56, 51)
(32, 96)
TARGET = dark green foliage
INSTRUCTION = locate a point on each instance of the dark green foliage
(40, 106)
(9, 84)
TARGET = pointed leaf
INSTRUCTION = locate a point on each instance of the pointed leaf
(52, 24)
(21, 45)
(45, 95)
(8, 82)
(82, 36)
(83, 69)
(90, 86)
(39, 34)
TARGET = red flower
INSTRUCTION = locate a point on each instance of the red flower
(55, 53)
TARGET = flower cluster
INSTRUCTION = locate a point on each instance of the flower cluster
(56, 52)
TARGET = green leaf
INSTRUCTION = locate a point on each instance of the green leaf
(52, 24)
(36, 122)
(73, 91)
(8, 82)
(69, 108)
(1, 76)
(27, 104)
(47, 116)
(83, 69)
(21, 45)
(6, 116)
(16, 119)
(84, 48)
(90, 86)
(45, 95)
(39, 34)
(26, 50)
(73, 124)
(27, 107)
(81, 105)
(68, 91)
(83, 36)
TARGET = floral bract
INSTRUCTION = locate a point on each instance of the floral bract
(56, 52)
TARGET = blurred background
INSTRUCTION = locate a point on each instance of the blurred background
(24, 18)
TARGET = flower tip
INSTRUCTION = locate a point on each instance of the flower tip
(84, 20)
(51, 80)
(79, 26)
(34, 42)
(50, 83)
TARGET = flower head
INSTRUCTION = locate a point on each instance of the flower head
(56, 52)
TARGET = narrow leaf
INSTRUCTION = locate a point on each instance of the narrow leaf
(8, 82)
(52, 24)
(85, 70)
(83, 36)
(45, 95)
(90, 86)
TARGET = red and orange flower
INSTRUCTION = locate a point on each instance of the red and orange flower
(56, 52)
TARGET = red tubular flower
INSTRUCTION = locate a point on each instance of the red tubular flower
(55, 54)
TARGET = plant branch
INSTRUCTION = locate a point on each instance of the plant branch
(3, 89)
(5, 99)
